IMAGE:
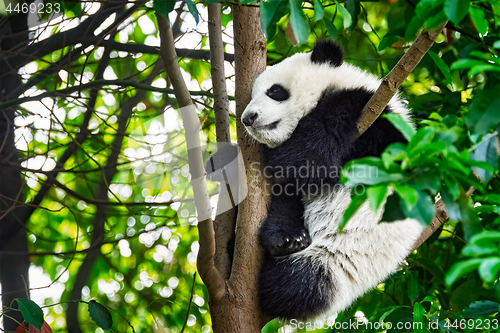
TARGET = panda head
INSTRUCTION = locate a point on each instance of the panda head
(286, 92)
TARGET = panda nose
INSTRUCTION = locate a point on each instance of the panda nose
(250, 119)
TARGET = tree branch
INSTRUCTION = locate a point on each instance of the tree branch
(98, 202)
(141, 48)
(101, 213)
(67, 38)
(206, 267)
(98, 83)
(225, 220)
(387, 89)
(391, 83)
(250, 61)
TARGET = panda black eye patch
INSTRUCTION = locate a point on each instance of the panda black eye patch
(278, 93)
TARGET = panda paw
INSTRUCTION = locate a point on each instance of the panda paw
(281, 244)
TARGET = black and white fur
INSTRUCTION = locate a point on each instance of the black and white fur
(305, 111)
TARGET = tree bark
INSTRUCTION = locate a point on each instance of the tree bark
(206, 267)
(250, 61)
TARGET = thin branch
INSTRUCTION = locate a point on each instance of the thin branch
(74, 145)
(221, 101)
(210, 275)
(391, 83)
(101, 202)
(190, 302)
(141, 48)
(225, 220)
(101, 214)
(97, 83)
(69, 37)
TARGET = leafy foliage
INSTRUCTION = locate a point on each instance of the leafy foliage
(92, 191)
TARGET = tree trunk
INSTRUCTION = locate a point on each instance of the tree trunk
(238, 310)
(233, 302)
(13, 269)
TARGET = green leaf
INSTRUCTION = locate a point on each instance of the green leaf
(401, 125)
(441, 65)
(466, 63)
(392, 209)
(300, 25)
(319, 12)
(387, 311)
(452, 206)
(493, 198)
(484, 113)
(426, 7)
(413, 288)
(356, 202)
(461, 268)
(436, 19)
(476, 251)
(368, 175)
(270, 13)
(452, 185)
(480, 22)
(428, 181)
(376, 195)
(483, 68)
(380, 316)
(31, 312)
(415, 24)
(163, 7)
(192, 9)
(395, 152)
(451, 135)
(418, 317)
(100, 315)
(353, 7)
(345, 14)
(408, 194)
(489, 269)
(486, 237)
(486, 151)
(456, 10)
(387, 41)
(480, 309)
(423, 211)
(330, 27)
(435, 269)
(423, 137)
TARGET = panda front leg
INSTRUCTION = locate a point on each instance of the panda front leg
(283, 232)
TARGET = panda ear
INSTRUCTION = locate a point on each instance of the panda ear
(326, 51)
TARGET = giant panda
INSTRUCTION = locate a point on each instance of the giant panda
(304, 110)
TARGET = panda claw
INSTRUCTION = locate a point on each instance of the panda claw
(282, 246)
